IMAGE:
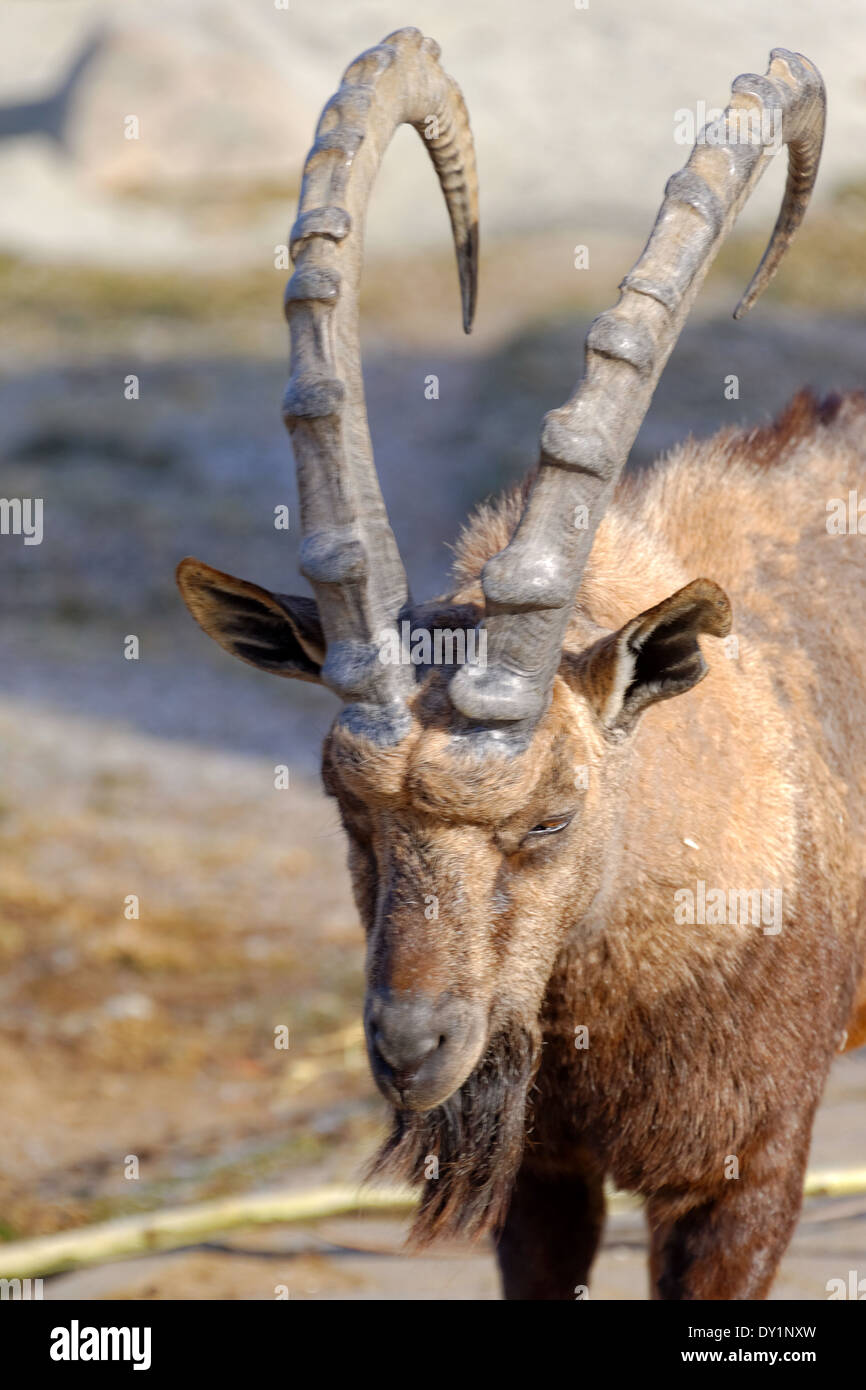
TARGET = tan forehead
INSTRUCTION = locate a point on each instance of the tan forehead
(432, 771)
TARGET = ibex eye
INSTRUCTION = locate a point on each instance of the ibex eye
(550, 826)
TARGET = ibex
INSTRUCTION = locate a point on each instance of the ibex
(611, 936)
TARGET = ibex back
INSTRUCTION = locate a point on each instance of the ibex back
(604, 940)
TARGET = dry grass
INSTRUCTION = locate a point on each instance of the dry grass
(155, 1036)
(94, 311)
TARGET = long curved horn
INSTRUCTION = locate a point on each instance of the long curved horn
(348, 552)
(530, 587)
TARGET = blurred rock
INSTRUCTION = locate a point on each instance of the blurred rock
(574, 113)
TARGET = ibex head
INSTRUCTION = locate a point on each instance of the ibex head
(480, 801)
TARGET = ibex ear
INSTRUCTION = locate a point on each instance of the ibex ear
(276, 632)
(655, 656)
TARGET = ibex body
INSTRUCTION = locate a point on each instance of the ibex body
(604, 940)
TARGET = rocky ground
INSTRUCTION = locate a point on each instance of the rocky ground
(574, 108)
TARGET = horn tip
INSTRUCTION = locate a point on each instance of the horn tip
(749, 298)
(467, 266)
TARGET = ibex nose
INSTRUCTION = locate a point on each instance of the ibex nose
(404, 1029)
(419, 1045)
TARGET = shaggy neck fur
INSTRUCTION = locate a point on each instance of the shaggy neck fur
(476, 1138)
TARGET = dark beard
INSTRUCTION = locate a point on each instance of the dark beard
(477, 1136)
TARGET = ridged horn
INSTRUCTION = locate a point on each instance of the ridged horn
(348, 552)
(530, 587)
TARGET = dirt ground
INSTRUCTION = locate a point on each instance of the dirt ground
(361, 1258)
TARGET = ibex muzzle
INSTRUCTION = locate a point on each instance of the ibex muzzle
(522, 833)
(422, 1046)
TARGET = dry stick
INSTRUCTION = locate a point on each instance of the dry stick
(177, 1226)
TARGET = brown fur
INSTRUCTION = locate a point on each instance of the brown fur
(476, 1138)
(714, 1041)
(706, 1043)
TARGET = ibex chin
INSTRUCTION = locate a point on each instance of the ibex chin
(610, 935)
